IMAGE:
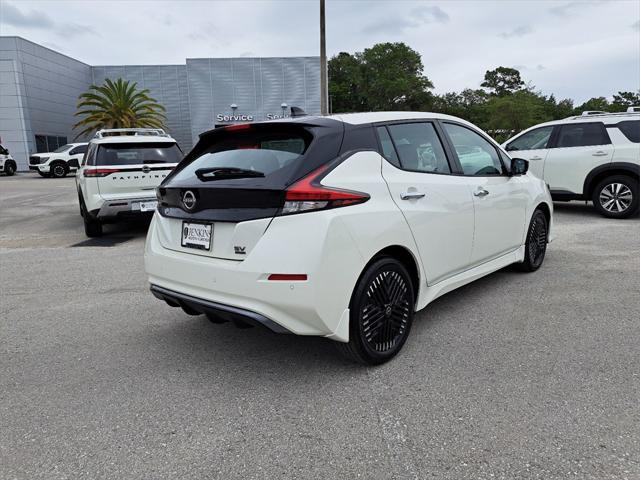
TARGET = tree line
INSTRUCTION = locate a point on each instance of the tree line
(389, 76)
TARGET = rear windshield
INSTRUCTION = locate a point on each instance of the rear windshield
(271, 153)
(138, 153)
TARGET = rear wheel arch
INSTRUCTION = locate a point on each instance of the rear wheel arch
(405, 257)
(600, 173)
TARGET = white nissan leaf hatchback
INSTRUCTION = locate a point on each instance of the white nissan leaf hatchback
(341, 226)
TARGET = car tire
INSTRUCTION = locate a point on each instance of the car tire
(9, 168)
(59, 170)
(616, 196)
(535, 246)
(92, 226)
(381, 313)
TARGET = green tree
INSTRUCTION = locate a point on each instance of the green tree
(345, 82)
(510, 114)
(502, 81)
(387, 76)
(118, 104)
(624, 100)
(596, 103)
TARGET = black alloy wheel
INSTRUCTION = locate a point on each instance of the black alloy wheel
(536, 243)
(59, 170)
(9, 168)
(381, 313)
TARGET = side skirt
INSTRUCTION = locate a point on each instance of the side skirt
(429, 294)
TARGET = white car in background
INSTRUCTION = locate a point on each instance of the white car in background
(7, 163)
(341, 226)
(60, 162)
(594, 156)
(120, 172)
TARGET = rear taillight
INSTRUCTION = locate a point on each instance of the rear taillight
(99, 172)
(308, 194)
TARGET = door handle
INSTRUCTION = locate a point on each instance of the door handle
(481, 192)
(411, 195)
(535, 159)
(600, 153)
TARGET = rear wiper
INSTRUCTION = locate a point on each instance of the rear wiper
(225, 173)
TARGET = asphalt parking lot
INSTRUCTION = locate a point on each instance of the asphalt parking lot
(514, 376)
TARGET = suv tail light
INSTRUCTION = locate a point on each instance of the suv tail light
(99, 172)
(307, 195)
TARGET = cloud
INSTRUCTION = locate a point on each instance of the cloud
(540, 67)
(38, 20)
(571, 9)
(636, 26)
(517, 32)
(34, 19)
(418, 16)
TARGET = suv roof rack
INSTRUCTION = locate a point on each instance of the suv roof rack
(112, 132)
(593, 113)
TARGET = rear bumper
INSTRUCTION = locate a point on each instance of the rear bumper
(224, 312)
(114, 207)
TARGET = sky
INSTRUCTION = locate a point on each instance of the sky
(573, 49)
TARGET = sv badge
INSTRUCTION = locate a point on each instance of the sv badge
(240, 250)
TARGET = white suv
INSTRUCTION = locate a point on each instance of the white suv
(594, 156)
(60, 162)
(7, 163)
(341, 226)
(120, 172)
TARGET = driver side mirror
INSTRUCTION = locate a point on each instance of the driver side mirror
(519, 166)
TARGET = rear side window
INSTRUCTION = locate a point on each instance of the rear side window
(253, 153)
(533, 140)
(630, 129)
(582, 135)
(419, 147)
(388, 151)
(137, 153)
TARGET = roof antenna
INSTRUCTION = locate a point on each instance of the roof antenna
(297, 112)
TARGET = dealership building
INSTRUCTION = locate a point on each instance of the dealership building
(39, 91)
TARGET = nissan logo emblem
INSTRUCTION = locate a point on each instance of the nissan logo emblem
(146, 169)
(189, 200)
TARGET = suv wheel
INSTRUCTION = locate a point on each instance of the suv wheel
(535, 247)
(92, 227)
(59, 170)
(9, 168)
(616, 196)
(381, 313)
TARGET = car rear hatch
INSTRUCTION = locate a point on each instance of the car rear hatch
(127, 170)
(234, 181)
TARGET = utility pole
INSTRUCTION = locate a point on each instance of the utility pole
(324, 87)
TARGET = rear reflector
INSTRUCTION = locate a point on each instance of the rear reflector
(307, 194)
(99, 172)
(288, 277)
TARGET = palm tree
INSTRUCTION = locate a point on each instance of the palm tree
(118, 105)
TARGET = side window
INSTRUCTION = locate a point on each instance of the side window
(90, 155)
(78, 149)
(630, 129)
(3, 151)
(533, 140)
(388, 150)
(477, 156)
(582, 135)
(419, 147)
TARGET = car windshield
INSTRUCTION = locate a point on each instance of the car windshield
(63, 148)
(138, 153)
